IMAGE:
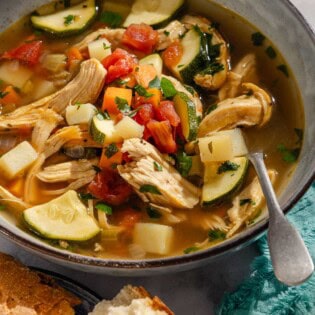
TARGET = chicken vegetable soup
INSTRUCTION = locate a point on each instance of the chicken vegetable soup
(125, 126)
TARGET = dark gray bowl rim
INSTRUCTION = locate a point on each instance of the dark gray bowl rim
(245, 238)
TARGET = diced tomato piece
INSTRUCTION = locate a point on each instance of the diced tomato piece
(145, 114)
(154, 99)
(28, 53)
(127, 217)
(141, 37)
(110, 187)
(166, 111)
(172, 54)
(162, 134)
(119, 64)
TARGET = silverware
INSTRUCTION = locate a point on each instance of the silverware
(290, 258)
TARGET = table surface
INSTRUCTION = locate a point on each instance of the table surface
(191, 292)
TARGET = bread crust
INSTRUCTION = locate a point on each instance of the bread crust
(31, 292)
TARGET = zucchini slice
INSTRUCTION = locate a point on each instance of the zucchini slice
(194, 56)
(153, 12)
(187, 112)
(67, 22)
(218, 187)
(63, 218)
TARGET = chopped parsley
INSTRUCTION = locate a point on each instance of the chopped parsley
(3, 94)
(104, 207)
(121, 82)
(2, 207)
(111, 150)
(288, 155)
(147, 188)
(183, 163)
(106, 47)
(216, 235)
(96, 169)
(122, 104)
(257, 39)
(155, 83)
(86, 196)
(284, 70)
(213, 68)
(112, 19)
(246, 201)
(166, 33)
(153, 213)
(168, 88)
(142, 91)
(227, 166)
(191, 249)
(211, 108)
(69, 19)
(271, 52)
(157, 167)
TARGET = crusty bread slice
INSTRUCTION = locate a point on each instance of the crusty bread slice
(26, 292)
(132, 300)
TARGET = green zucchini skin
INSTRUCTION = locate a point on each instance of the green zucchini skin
(228, 194)
(38, 22)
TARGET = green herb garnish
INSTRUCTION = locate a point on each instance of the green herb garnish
(168, 88)
(213, 68)
(111, 19)
(106, 47)
(166, 33)
(271, 52)
(284, 70)
(288, 155)
(258, 39)
(122, 104)
(227, 166)
(111, 150)
(85, 196)
(183, 163)
(216, 235)
(142, 91)
(147, 188)
(121, 82)
(157, 167)
(69, 19)
(155, 83)
(153, 213)
(191, 249)
(104, 207)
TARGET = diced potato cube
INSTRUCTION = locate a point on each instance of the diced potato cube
(238, 143)
(215, 148)
(154, 238)
(80, 114)
(128, 128)
(17, 160)
(99, 49)
(13, 73)
(43, 88)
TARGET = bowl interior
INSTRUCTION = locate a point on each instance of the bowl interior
(286, 28)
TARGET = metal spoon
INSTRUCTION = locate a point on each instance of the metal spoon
(290, 258)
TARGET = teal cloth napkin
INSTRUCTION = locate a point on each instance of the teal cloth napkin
(262, 293)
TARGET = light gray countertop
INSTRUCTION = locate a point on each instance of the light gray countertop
(191, 292)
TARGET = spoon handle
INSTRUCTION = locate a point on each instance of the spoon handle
(290, 258)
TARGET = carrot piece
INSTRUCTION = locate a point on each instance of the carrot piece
(154, 99)
(109, 159)
(16, 187)
(144, 74)
(73, 54)
(10, 96)
(109, 100)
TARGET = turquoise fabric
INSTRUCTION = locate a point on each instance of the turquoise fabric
(262, 293)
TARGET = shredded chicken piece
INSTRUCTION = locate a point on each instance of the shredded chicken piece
(206, 79)
(242, 214)
(169, 34)
(173, 189)
(168, 215)
(244, 71)
(67, 171)
(84, 88)
(114, 36)
(43, 128)
(180, 88)
(13, 202)
(248, 110)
